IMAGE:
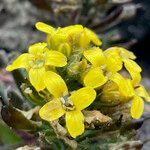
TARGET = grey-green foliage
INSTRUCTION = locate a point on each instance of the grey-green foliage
(13, 98)
(7, 136)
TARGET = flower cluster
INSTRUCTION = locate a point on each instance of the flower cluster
(99, 73)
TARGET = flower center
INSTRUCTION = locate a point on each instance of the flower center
(39, 63)
(36, 62)
(103, 67)
(67, 104)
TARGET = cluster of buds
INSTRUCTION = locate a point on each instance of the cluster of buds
(72, 71)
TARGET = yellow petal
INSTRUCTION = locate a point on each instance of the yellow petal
(95, 56)
(134, 69)
(83, 97)
(71, 30)
(93, 37)
(113, 63)
(75, 123)
(141, 91)
(95, 78)
(44, 27)
(52, 110)
(49, 41)
(123, 53)
(84, 40)
(55, 84)
(111, 95)
(79, 67)
(65, 49)
(83, 65)
(36, 77)
(57, 39)
(37, 48)
(111, 51)
(136, 78)
(55, 58)
(125, 86)
(132, 65)
(137, 107)
(19, 62)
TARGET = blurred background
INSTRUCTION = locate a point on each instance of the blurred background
(117, 22)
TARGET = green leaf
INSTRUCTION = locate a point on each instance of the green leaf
(17, 120)
(20, 77)
(7, 136)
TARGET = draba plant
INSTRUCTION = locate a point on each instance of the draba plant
(74, 81)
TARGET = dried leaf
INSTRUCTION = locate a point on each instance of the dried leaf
(30, 113)
(127, 144)
(61, 133)
(96, 117)
(26, 147)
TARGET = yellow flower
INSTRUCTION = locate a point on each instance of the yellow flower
(36, 61)
(64, 103)
(138, 103)
(111, 94)
(141, 91)
(88, 36)
(127, 58)
(68, 38)
(102, 67)
(125, 86)
(136, 94)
